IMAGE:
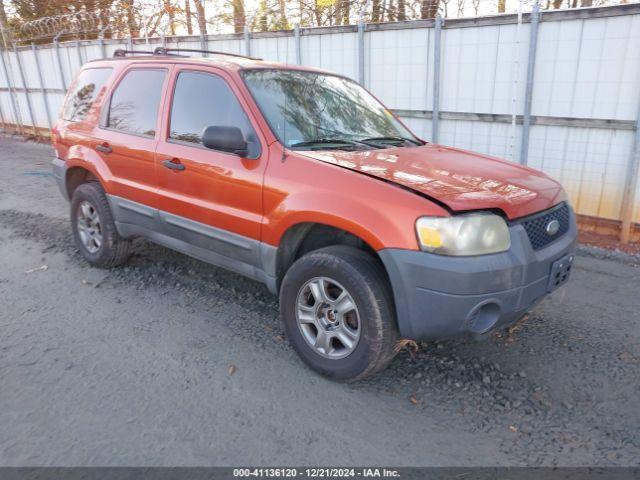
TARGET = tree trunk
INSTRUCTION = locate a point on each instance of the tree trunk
(557, 4)
(318, 14)
(375, 11)
(502, 6)
(239, 18)
(392, 12)
(402, 10)
(187, 14)
(200, 15)
(282, 21)
(132, 26)
(168, 8)
(429, 8)
(586, 3)
(346, 12)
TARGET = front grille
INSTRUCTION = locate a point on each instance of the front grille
(536, 226)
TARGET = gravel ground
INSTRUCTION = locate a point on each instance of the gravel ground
(169, 361)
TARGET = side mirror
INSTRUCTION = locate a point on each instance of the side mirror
(226, 139)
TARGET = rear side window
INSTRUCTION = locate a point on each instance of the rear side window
(135, 102)
(202, 100)
(88, 85)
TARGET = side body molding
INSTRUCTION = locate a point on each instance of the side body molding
(240, 254)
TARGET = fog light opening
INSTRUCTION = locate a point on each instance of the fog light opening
(483, 317)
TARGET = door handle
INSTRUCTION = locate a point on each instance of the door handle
(173, 164)
(104, 148)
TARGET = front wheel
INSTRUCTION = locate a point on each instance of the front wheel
(338, 313)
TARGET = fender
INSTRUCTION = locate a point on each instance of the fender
(87, 158)
(378, 227)
(301, 189)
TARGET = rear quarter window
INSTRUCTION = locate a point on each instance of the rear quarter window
(87, 88)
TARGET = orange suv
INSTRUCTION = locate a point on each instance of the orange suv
(301, 179)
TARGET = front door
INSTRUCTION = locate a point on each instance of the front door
(211, 200)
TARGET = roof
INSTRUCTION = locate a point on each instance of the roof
(228, 61)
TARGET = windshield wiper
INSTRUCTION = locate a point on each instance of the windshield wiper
(390, 139)
(329, 141)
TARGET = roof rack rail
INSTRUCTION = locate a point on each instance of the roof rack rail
(121, 52)
(170, 51)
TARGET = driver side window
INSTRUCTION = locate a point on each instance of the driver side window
(202, 100)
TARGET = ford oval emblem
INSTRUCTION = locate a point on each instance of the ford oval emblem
(552, 227)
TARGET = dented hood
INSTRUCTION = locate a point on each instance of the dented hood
(459, 179)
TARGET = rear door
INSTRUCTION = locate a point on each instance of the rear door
(128, 135)
(214, 200)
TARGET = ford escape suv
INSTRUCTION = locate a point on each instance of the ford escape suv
(301, 179)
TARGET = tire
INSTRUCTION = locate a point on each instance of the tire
(113, 250)
(366, 284)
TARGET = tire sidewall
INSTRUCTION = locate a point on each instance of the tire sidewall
(370, 317)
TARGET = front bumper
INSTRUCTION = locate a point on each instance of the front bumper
(441, 297)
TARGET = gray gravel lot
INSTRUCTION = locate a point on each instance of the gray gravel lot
(131, 366)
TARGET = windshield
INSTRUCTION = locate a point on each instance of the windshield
(308, 110)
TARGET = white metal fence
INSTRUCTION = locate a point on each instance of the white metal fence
(567, 103)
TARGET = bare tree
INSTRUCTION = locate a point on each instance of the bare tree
(187, 14)
(200, 15)
(376, 11)
(502, 6)
(429, 8)
(170, 11)
(402, 10)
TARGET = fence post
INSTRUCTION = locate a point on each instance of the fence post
(26, 90)
(247, 41)
(203, 43)
(12, 93)
(103, 50)
(361, 27)
(60, 70)
(629, 195)
(437, 57)
(79, 53)
(42, 88)
(528, 93)
(298, 47)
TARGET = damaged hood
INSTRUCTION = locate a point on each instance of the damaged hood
(459, 179)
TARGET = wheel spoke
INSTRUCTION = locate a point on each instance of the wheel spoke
(85, 208)
(306, 314)
(344, 303)
(318, 290)
(323, 341)
(346, 337)
(97, 240)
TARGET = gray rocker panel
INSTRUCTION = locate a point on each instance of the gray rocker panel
(249, 257)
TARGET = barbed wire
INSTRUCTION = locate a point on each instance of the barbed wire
(121, 20)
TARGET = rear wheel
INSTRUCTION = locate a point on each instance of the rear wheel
(93, 228)
(338, 313)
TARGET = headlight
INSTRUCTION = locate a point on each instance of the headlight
(460, 235)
